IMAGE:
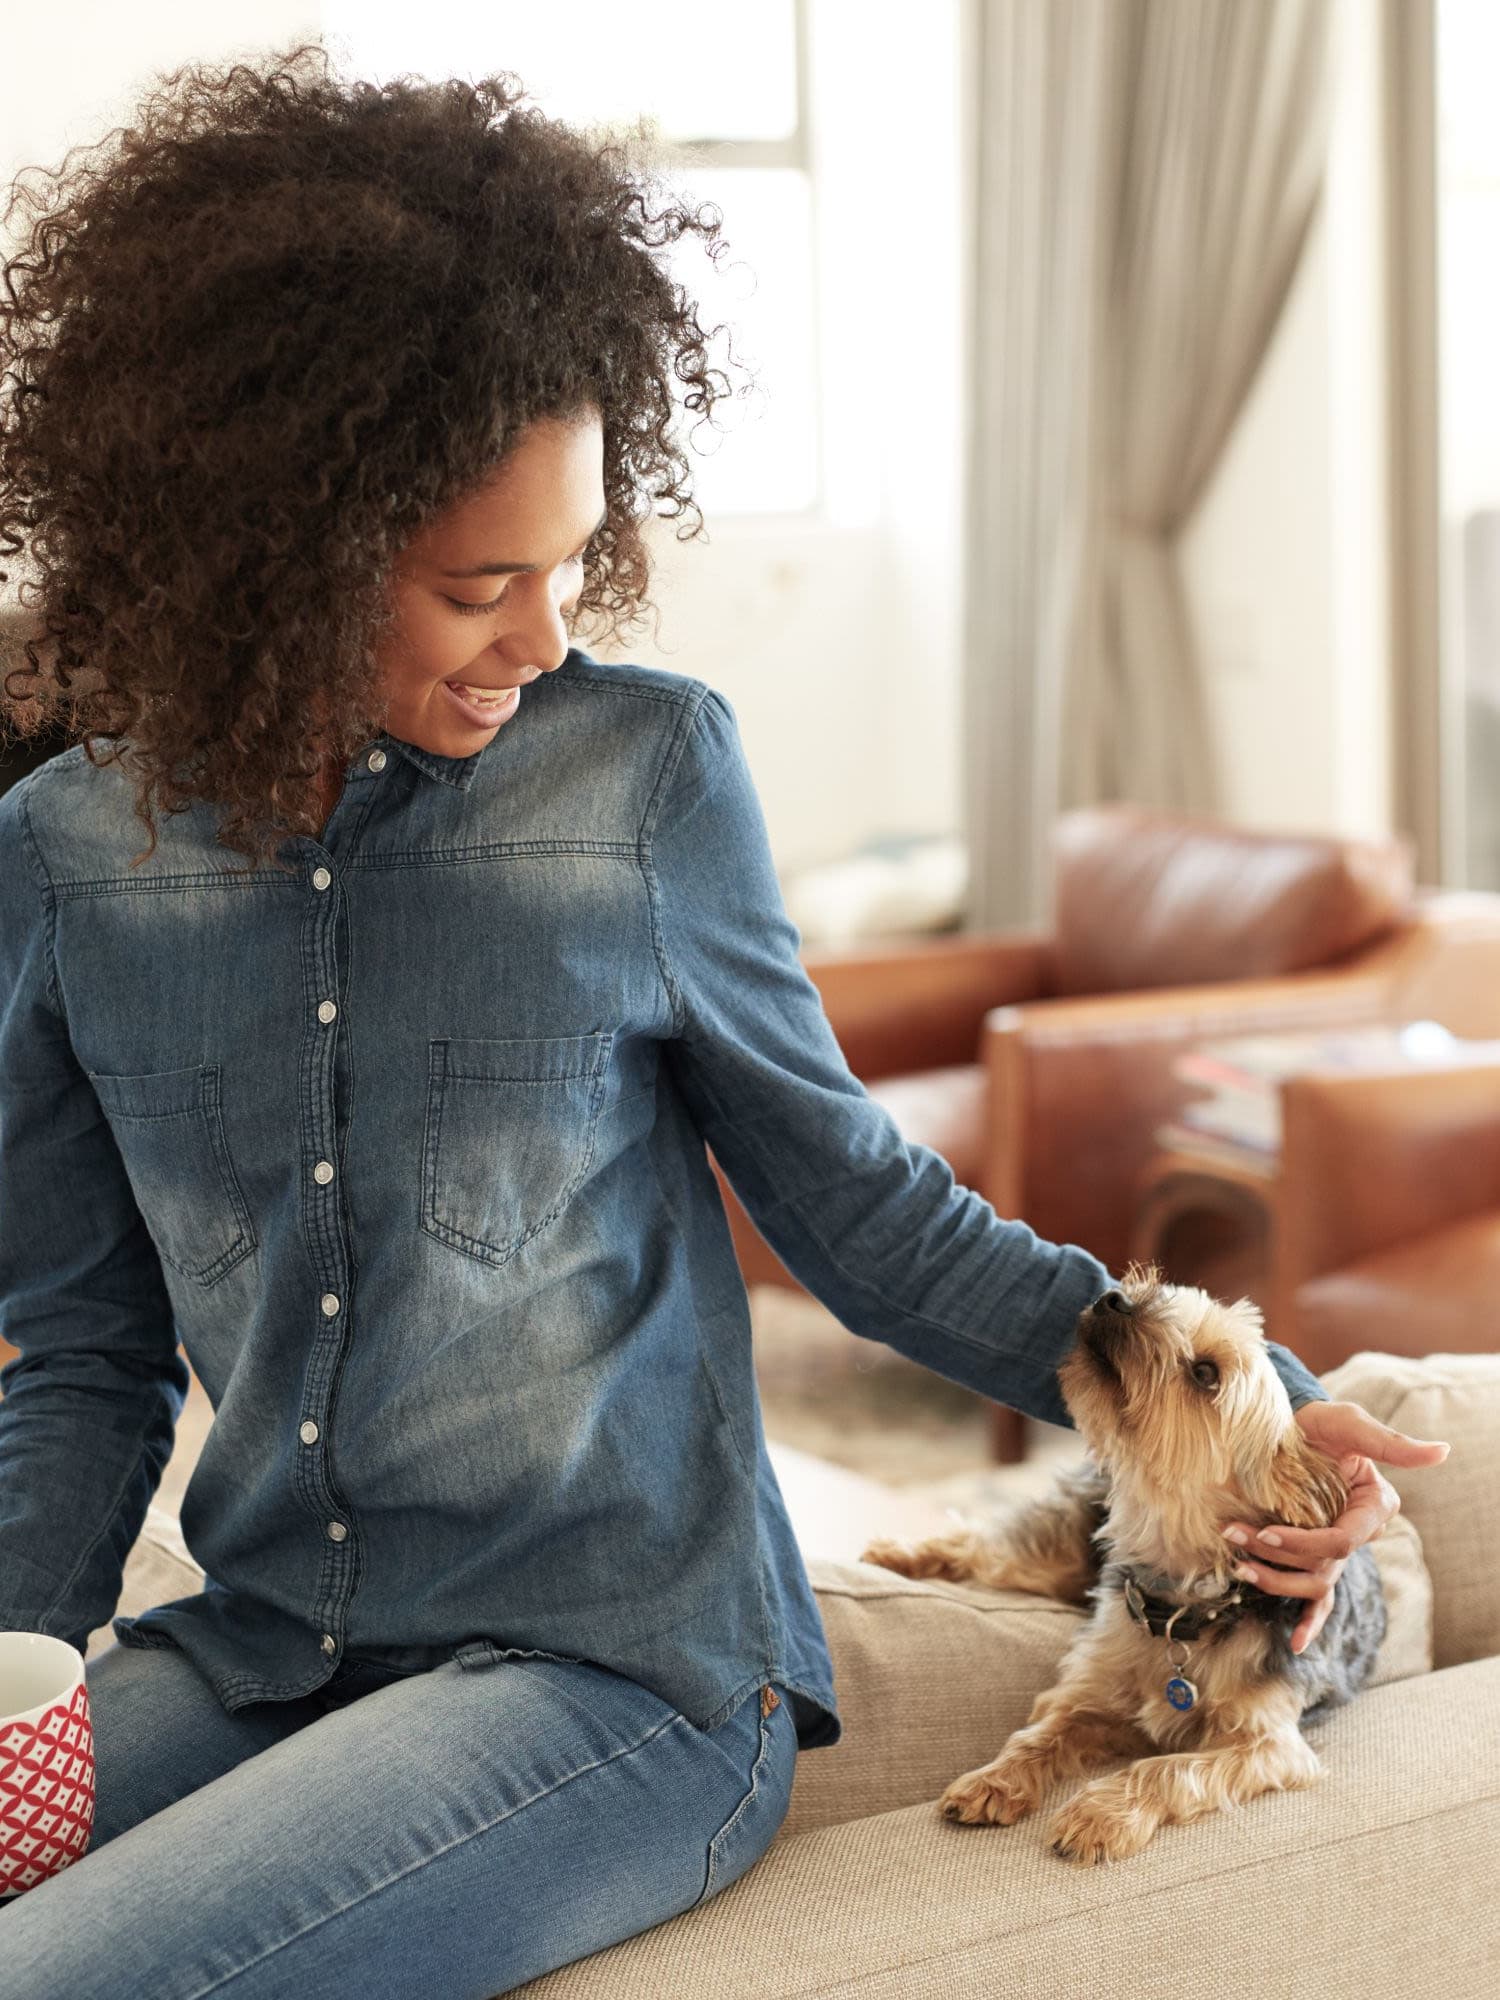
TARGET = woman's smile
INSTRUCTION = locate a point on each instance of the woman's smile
(499, 706)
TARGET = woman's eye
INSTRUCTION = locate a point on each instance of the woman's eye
(474, 610)
(1206, 1374)
(494, 603)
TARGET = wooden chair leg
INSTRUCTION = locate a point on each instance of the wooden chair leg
(1007, 1434)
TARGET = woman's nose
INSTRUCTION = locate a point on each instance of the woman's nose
(538, 636)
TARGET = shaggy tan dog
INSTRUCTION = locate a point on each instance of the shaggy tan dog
(1181, 1668)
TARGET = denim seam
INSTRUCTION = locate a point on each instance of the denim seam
(604, 682)
(629, 1751)
(47, 895)
(687, 720)
(757, 1771)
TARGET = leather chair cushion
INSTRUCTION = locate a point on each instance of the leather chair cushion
(1146, 899)
(941, 1108)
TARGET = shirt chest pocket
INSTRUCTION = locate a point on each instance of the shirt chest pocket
(169, 1128)
(509, 1137)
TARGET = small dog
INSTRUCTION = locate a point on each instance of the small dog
(1189, 1427)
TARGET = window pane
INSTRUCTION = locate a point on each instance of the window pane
(704, 69)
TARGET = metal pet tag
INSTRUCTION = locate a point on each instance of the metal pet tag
(1181, 1693)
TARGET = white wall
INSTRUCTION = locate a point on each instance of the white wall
(71, 72)
(1285, 562)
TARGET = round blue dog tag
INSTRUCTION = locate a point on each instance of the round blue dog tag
(1181, 1693)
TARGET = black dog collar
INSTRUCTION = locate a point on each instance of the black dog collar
(1188, 1620)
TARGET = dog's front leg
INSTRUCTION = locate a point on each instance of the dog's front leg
(1117, 1816)
(1065, 1735)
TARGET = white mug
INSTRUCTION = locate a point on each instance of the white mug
(46, 1760)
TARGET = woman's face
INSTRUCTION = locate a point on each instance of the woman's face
(483, 591)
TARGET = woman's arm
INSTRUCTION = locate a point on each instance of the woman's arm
(875, 1227)
(92, 1400)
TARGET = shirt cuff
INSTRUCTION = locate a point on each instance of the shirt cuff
(1301, 1385)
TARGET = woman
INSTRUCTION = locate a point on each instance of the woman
(332, 409)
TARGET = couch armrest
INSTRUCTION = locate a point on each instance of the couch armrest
(1368, 1162)
(1078, 1087)
(920, 1005)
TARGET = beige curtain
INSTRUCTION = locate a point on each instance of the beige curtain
(1146, 173)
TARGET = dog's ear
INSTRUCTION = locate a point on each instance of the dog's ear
(1307, 1489)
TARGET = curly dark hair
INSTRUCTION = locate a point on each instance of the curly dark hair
(255, 342)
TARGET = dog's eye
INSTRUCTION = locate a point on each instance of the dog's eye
(1206, 1374)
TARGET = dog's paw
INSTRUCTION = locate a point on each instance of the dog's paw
(1096, 1826)
(899, 1556)
(991, 1796)
(938, 1557)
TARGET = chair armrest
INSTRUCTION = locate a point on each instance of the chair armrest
(1372, 1161)
(920, 1005)
(1445, 960)
(1078, 1087)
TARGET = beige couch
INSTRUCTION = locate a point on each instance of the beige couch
(1382, 1875)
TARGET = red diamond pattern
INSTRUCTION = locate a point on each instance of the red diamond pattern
(46, 1793)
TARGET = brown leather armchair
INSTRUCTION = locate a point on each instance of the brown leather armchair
(1389, 1232)
(1040, 1063)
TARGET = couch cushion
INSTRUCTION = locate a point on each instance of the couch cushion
(1375, 1878)
(1455, 1506)
(1145, 899)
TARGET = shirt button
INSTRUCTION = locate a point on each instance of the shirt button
(323, 1173)
(330, 1304)
(376, 760)
(309, 1433)
(321, 878)
(336, 1531)
(326, 1010)
(330, 1644)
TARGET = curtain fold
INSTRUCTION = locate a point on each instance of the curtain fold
(1146, 174)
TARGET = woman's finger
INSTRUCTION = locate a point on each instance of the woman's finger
(1372, 1502)
(1336, 1428)
(1290, 1582)
(1312, 1621)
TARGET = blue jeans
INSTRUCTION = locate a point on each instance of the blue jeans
(458, 1831)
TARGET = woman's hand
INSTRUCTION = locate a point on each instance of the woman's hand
(1315, 1557)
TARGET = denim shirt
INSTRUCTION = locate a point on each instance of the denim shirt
(406, 1150)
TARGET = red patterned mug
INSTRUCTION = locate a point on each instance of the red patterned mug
(46, 1760)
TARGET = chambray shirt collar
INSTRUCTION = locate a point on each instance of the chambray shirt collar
(455, 771)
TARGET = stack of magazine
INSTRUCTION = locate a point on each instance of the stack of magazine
(1237, 1120)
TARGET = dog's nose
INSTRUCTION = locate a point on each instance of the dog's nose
(1114, 1302)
